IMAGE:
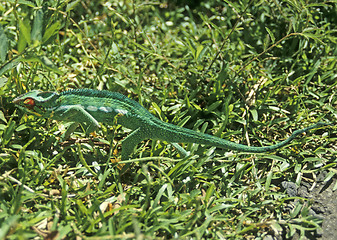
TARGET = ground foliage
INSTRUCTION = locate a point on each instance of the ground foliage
(247, 71)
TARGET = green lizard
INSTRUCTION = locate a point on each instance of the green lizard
(93, 106)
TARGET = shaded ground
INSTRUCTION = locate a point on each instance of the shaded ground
(324, 204)
(327, 199)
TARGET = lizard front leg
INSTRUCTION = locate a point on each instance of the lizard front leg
(79, 115)
(69, 130)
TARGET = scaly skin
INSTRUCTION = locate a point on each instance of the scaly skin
(93, 106)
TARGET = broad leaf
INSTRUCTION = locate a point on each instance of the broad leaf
(9, 66)
(2, 117)
(37, 27)
(50, 65)
(25, 30)
(44, 61)
(72, 5)
(3, 45)
(50, 31)
(3, 82)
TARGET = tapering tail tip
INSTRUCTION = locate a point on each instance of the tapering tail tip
(322, 124)
(318, 125)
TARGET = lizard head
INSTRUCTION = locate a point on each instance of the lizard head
(36, 101)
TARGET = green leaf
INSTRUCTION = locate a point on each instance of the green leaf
(159, 195)
(255, 114)
(3, 45)
(21, 128)
(191, 47)
(37, 27)
(72, 5)
(50, 31)
(8, 223)
(315, 37)
(271, 35)
(198, 54)
(22, 43)
(2, 117)
(210, 192)
(214, 106)
(184, 121)
(9, 66)
(8, 133)
(50, 65)
(268, 180)
(44, 61)
(329, 176)
(25, 30)
(22, 2)
(3, 82)
(297, 210)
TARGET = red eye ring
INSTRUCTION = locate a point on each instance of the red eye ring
(29, 102)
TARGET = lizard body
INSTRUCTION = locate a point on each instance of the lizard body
(93, 106)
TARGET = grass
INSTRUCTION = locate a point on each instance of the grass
(247, 71)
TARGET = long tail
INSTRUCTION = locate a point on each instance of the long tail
(172, 133)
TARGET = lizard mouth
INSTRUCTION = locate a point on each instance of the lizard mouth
(17, 100)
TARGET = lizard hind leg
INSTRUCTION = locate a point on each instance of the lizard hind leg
(130, 142)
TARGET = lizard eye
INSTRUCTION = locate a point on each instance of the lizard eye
(29, 103)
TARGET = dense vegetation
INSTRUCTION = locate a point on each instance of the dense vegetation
(247, 71)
